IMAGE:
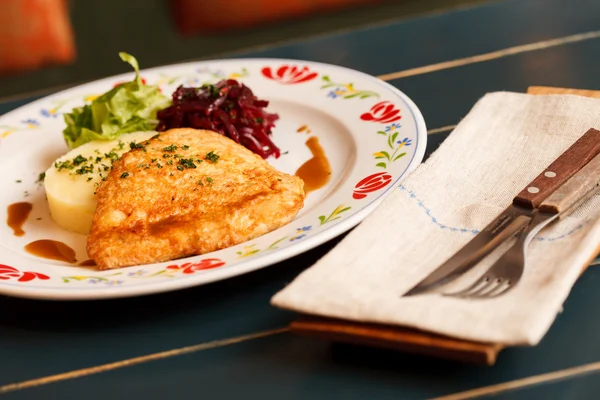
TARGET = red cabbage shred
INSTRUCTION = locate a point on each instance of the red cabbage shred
(227, 107)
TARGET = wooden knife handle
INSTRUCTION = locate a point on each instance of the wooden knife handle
(568, 164)
(576, 188)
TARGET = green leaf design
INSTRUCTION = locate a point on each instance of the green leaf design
(399, 155)
(385, 153)
(381, 133)
(273, 245)
(326, 78)
(390, 142)
(350, 96)
(394, 136)
(381, 164)
(335, 214)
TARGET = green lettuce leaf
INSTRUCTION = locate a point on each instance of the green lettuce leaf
(129, 107)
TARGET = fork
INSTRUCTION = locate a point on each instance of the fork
(507, 271)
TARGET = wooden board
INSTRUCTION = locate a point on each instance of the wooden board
(410, 340)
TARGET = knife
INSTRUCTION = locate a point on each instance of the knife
(564, 200)
(516, 216)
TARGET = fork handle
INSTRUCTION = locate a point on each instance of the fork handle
(578, 187)
(564, 167)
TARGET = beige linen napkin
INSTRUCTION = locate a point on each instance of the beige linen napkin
(501, 145)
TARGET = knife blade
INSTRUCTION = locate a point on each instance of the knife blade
(516, 216)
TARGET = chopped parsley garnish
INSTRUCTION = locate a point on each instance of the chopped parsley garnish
(63, 165)
(209, 180)
(180, 167)
(187, 163)
(86, 169)
(159, 165)
(212, 156)
(124, 175)
(170, 148)
(112, 155)
(212, 90)
(18, 181)
(185, 147)
(134, 145)
(41, 177)
(121, 145)
(79, 160)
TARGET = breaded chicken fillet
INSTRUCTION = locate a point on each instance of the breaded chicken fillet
(187, 192)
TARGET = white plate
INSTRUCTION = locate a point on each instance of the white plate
(372, 133)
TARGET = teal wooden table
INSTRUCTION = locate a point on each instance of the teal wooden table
(224, 340)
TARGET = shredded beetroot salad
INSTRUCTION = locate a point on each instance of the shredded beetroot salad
(227, 107)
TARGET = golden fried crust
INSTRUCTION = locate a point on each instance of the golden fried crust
(154, 206)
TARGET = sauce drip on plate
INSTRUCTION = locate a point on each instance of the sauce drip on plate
(315, 172)
(87, 263)
(51, 249)
(17, 215)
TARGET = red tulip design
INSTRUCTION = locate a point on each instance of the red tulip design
(384, 112)
(370, 184)
(289, 74)
(7, 273)
(190, 268)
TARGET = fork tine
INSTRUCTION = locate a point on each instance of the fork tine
(505, 289)
(482, 291)
(471, 289)
(485, 291)
(497, 286)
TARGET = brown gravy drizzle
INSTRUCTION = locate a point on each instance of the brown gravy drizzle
(315, 172)
(51, 249)
(87, 263)
(17, 215)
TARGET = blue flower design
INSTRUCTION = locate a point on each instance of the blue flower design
(392, 127)
(332, 94)
(113, 283)
(192, 82)
(51, 113)
(93, 281)
(405, 142)
(298, 237)
(31, 123)
(139, 272)
(304, 229)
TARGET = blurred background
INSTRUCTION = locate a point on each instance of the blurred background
(51, 44)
